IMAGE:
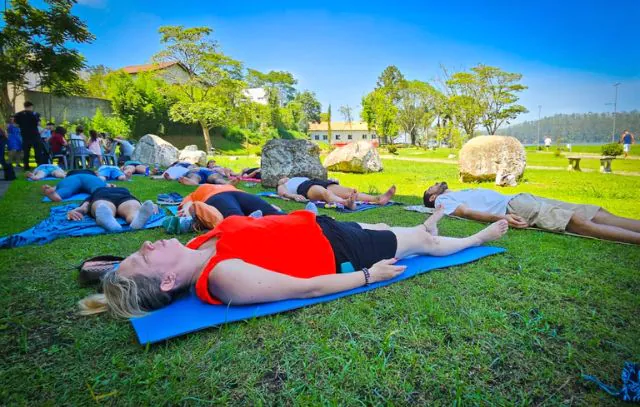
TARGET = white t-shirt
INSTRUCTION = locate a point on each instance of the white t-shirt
(481, 200)
(293, 184)
(547, 141)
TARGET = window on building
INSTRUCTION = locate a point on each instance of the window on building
(364, 136)
(324, 137)
(337, 137)
(373, 137)
(317, 137)
(349, 137)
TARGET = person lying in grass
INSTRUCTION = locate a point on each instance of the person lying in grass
(299, 256)
(136, 167)
(105, 203)
(200, 176)
(224, 171)
(525, 210)
(44, 171)
(76, 182)
(255, 173)
(114, 173)
(302, 189)
(176, 170)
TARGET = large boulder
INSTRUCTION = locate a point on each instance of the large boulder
(290, 158)
(193, 155)
(358, 157)
(492, 158)
(152, 149)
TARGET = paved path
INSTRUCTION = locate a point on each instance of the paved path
(533, 167)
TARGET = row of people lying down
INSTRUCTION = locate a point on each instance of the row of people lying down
(190, 174)
(106, 172)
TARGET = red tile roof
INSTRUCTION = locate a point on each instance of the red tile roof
(148, 67)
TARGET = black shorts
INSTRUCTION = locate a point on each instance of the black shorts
(303, 188)
(360, 247)
(250, 170)
(240, 203)
(117, 196)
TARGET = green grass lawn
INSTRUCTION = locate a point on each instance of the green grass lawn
(513, 329)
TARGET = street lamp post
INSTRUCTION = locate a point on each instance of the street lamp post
(539, 111)
(615, 108)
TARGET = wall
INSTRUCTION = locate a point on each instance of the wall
(69, 108)
(356, 135)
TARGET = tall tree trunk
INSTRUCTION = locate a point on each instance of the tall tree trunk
(207, 139)
(6, 107)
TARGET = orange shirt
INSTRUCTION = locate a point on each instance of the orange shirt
(206, 191)
(290, 244)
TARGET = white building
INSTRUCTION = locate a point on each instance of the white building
(342, 132)
(257, 95)
(171, 72)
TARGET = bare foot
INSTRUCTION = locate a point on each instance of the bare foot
(386, 197)
(50, 192)
(167, 176)
(351, 202)
(431, 224)
(28, 174)
(493, 232)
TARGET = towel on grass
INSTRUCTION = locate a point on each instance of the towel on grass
(57, 225)
(360, 206)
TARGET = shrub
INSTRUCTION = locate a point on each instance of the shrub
(612, 149)
(392, 150)
(558, 152)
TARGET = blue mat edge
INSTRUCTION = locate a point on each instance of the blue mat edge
(456, 260)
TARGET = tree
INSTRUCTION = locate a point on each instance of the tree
(213, 87)
(380, 114)
(465, 100)
(391, 81)
(417, 108)
(309, 105)
(498, 95)
(96, 83)
(347, 113)
(36, 41)
(281, 82)
(329, 123)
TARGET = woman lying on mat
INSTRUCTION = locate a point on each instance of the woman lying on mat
(224, 171)
(176, 170)
(299, 256)
(200, 176)
(302, 188)
(209, 204)
(255, 173)
(44, 171)
(76, 182)
(114, 173)
(136, 167)
(104, 204)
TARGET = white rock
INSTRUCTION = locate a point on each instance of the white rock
(152, 149)
(360, 157)
(492, 158)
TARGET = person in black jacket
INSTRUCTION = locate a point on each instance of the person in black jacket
(28, 121)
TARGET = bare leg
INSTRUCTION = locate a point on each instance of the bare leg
(59, 174)
(128, 210)
(317, 193)
(606, 218)
(418, 241)
(431, 224)
(585, 227)
(104, 213)
(188, 181)
(35, 176)
(51, 193)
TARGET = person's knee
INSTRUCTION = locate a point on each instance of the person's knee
(578, 224)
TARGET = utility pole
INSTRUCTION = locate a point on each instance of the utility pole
(615, 108)
(539, 111)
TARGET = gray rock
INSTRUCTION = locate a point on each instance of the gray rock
(152, 149)
(492, 158)
(360, 157)
(191, 147)
(198, 157)
(290, 158)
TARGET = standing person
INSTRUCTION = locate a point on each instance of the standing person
(95, 147)
(627, 138)
(14, 142)
(547, 142)
(28, 121)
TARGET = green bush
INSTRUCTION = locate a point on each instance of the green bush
(612, 149)
(558, 152)
(392, 150)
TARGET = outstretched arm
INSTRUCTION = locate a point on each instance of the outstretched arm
(284, 192)
(237, 282)
(79, 212)
(514, 220)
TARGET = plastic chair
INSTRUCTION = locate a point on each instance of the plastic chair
(79, 154)
(109, 158)
(60, 156)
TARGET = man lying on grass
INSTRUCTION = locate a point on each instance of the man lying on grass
(524, 210)
(298, 257)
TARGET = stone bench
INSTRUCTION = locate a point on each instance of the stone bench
(574, 163)
(605, 164)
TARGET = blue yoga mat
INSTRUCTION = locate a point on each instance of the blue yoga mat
(77, 197)
(189, 314)
(57, 226)
(44, 179)
(361, 206)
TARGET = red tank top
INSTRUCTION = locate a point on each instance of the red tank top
(290, 244)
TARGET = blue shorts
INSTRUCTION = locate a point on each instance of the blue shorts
(48, 169)
(110, 172)
(203, 173)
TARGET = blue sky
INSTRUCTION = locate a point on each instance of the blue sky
(569, 52)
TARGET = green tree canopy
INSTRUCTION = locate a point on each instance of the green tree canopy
(380, 114)
(417, 108)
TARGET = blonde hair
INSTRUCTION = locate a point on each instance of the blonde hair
(126, 297)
